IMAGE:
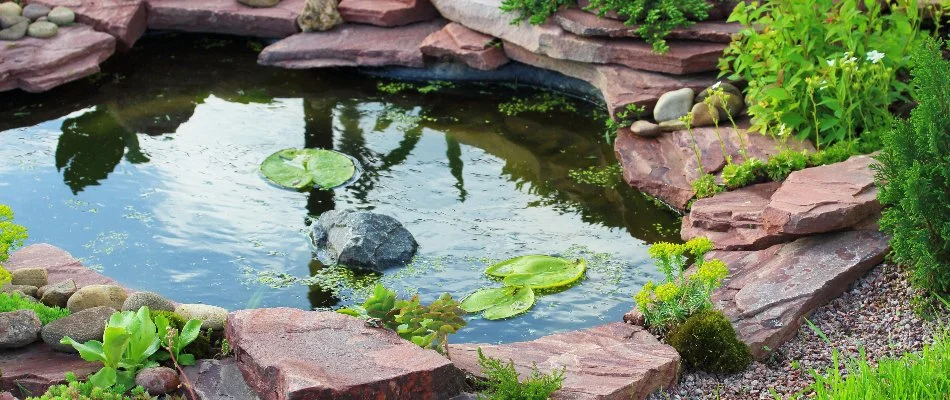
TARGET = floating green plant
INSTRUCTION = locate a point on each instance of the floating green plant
(521, 275)
(303, 168)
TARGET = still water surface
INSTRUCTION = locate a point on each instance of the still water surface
(149, 173)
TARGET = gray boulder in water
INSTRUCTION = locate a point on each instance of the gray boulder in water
(363, 239)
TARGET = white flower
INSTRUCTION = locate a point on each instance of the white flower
(847, 54)
(718, 84)
(831, 63)
(875, 56)
(783, 130)
(824, 84)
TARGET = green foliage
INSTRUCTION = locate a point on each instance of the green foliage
(656, 18)
(706, 186)
(303, 168)
(13, 302)
(502, 381)
(910, 377)
(175, 339)
(679, 296)
(201, 347)
(535, 11)
(782, 164)
(500, 303)
(623, 119)
(735, 176)
(824, 70)
(538, 103)
(399, 87)
(707, 342)
(73, 389)
(426, 326)
(12, 235)
(538, 271)
(605, 177)
(914, 175)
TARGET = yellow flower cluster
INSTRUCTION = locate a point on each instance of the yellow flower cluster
(713, 271)
(699, 246)
(665, 249)
(645, 295)
(667, 291)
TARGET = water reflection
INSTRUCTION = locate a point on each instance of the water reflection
(91, 146)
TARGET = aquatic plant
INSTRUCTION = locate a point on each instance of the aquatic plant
(13, 302)
(399, 87)
(303, 168)
(500, 303)
(707, 342)
(538, 103)
(521, 275)
(428, 326)
(605, 177)
(671, 302)
(502, 381)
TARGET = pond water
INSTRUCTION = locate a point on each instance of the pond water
(149, 173)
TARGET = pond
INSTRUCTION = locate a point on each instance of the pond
(148, 172)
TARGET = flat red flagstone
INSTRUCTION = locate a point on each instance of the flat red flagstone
(225, 16)
(60, 265)
(387, 12)
(124, 19)
(824, 198)
(287, 353)
(618, 85)
(733, 220)
(37, 65)
(485, 16)
(37, 367)
(352, 45)
(607, 362)
(457, 42)
(584, 23)
(770, 292)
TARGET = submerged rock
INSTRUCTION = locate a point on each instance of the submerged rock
(364, 239)
(319, 15)
(18, 328)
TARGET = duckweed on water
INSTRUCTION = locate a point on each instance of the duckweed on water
(538, 103)
(606, 177)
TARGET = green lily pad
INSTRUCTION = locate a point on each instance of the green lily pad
(538, 271)
(301, 168)
(499, 303)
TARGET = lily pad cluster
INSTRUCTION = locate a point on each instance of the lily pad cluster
(521, 276)
(304, 168)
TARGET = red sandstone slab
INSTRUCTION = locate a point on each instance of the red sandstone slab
(37, 367)
(352, 46)
(823, 199)
(485, 16)
(124, 19)
(613, 361)
(225, 16)
(387, 12)
(618, 85)
(583, 23)
(286, 353)
(38, 65)
(733, 220)
(59, 265)
(770, 292)
(457, 42)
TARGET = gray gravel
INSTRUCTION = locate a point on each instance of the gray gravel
(876, 313)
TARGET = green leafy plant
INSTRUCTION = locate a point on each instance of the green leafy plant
(12, 235)
(521, 275)
(13, 301)
(623, 119)
(706, 341)
(399, 87)
(738, 175)
(74, 389)
(200, 347)
(914, 175)
(129, 340)
(784, 163)
(656, 18)
(175, 340)
(302, 168)
(538, 103)
(536, 12)
(426, 326)
(706, 186)
(502, 381)
(825, 70)
(500, 303)
(668, 304)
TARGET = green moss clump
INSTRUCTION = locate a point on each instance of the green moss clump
(13, 302)
(707, 342)
(201, 347)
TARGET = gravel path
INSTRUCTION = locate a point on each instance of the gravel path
(876, 313)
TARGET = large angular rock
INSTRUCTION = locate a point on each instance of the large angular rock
(37, 367)
(387, 12)
(58, 294)
(582, 23)
(666, 166)
(37, 65)
(36, 277)
(123, 19)
(769, 292)
(823, 199)
(82, 327)
(733, 219)
(352, 46)
(613, 361)
(363, 239)
(551, 40)
(225, 16)
(219, 380)
(60, 265)
(287, 353)
(18, 328)
(457, 42)
(618, 85)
